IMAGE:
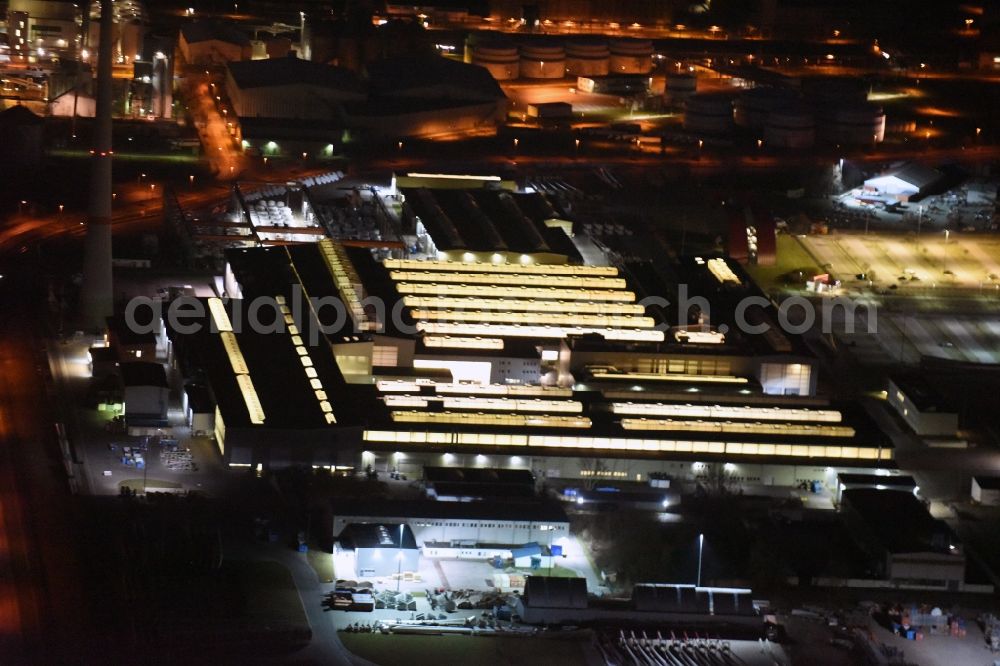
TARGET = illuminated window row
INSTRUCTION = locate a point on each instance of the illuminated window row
(519, 331)
(783, 429)
(722, 272)
(727, 412)
(700, 337)
(669, 377)
(628, 444)
(451, 342)
(307, 364)
(543, 280)
(611, 321)
(219, 315)
(242, 372)
(491, 404)
(482, 267)
(509, 420)
(527, 305)
(251, 399)
(516, 405)
(344, 278)
(405, 386)
(516, 292)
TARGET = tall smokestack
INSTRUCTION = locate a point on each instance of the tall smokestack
(97, 297)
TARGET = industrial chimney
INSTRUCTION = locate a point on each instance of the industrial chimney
(97, 297)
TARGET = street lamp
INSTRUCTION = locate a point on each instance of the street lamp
(701, 547)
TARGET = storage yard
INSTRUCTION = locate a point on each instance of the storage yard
(920, 264)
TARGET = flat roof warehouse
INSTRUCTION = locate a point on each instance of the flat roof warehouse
(291, 385)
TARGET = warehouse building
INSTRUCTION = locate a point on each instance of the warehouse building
(290, 88)
(902, 184)
(442, 529)
(907, 544)
(925, 410)
(211, 43)
(986, 490)
(526, 366)
(476, 484)
(289, 106)
(286, 106)
(146, 394)
(554, 601)
(376, 550)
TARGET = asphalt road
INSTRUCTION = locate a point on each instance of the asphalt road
(43, 608)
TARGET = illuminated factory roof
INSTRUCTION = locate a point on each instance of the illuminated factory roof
(518, 301)
(488, 220)
(267, 379)
(425, 412)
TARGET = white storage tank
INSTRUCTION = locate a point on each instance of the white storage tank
(680, 86)
(631, 56)
(793, 128)
(709, 113)
(587, 58)
(856, 123)
(753, 106)
(542, 62)
(502, 60)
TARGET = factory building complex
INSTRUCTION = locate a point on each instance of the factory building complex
(492, 344)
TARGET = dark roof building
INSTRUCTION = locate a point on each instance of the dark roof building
(432, 77)
(907, 544)
(143, 374)
(291, 71)
(205, 31)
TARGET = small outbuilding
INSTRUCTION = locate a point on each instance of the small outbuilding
(909, 181)
(146, 394)
(378, 550)
(986, 490)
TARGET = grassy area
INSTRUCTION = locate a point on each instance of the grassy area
(151, 484)
(487, 651)
(555, 572)
(322, 564)
(271, 598)
(790, 256)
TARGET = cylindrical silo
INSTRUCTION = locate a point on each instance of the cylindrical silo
(856, 123)
(753, 106)
(708, 113)
(793, 127)
(542, 61)
(680, 86)
(587, 58)
(631, 56)
(502, 60)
